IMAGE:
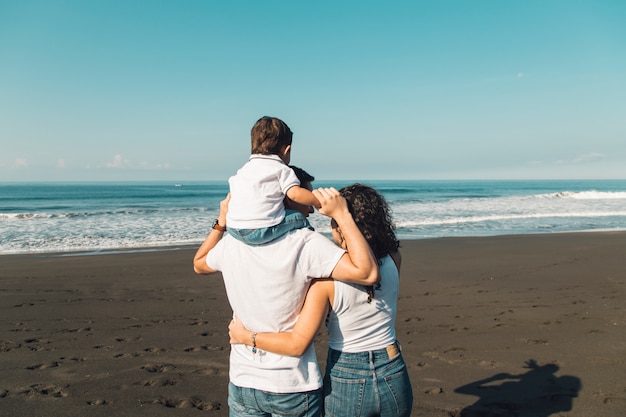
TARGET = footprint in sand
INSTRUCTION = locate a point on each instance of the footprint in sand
(77, 330)
(9, 345)
(431, 391)
(24, 305)
(198, 322)
(210, 348)
(156, 368)
(127, 355)
(103, 347)
(155, 350)
(39, 366)
(159, 383)
(536, 342)
(210, 371)
(98, 402)
(122, 339)
(47, 390)
(191, 402)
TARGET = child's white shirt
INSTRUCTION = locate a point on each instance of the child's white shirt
(257, 192)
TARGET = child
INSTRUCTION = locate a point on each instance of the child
(256, 214)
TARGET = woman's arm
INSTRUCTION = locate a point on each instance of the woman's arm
(296, 342)
(358, 264)
(214, 236)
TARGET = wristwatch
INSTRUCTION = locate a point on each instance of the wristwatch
(216, 226)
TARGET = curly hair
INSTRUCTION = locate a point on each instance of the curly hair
(373, 218)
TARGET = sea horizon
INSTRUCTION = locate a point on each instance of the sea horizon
(102, 216)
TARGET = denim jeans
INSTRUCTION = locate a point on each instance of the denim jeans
(293, 220)
(250, 402)
(366, 384)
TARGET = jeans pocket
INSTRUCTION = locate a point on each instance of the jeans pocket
(235, 400)
(343, 397)
(297, 404)
(400, 393)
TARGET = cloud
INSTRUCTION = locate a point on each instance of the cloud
(581, 159)
(20, 163)
(118, 162)
(588, 157)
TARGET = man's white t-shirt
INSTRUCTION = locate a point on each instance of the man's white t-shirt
(266, 286)
(257, 192)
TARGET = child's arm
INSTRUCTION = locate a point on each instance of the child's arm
(296, 342)
(303, 196)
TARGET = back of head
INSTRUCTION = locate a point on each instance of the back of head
(373, 218)
(269, 135)
(302, 175)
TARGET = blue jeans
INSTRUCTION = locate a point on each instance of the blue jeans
(367, 384)
(250, 402)
(293, 220)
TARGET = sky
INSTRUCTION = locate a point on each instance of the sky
(131, 90)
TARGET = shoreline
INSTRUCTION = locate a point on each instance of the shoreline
(530, 325)
(170, 248)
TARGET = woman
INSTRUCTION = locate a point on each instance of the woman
(365, 371)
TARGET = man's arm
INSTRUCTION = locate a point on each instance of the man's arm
(357, 265)
(214, 236)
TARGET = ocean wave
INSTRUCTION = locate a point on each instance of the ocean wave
(412, 223)
(586, 195)
(86, 214)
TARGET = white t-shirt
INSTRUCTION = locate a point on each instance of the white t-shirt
(354, 325)
(257, 192)
(266, 286)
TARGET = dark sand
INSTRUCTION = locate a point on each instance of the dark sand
(502, 326)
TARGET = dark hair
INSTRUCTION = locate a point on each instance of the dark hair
(302, 175)
(269, 135)
(373, 218)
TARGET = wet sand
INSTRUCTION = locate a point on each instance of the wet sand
(530, 326)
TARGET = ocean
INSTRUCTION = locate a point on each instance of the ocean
(100, 217)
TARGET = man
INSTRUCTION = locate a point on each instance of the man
(266, 286)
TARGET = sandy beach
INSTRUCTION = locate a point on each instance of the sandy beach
(529, 326)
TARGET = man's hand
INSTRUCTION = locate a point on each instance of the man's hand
(223, 210)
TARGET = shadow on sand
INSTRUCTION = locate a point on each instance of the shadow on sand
(536, 393)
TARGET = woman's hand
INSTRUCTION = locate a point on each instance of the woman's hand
(332, 203)
(238, 334)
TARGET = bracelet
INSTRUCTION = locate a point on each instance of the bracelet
(253, 343)
(216, 226)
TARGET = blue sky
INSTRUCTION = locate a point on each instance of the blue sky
(168, 90)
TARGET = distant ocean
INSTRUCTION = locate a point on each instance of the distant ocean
(98, 217)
